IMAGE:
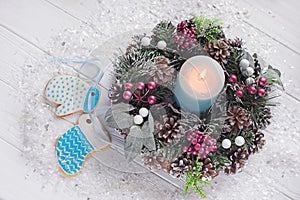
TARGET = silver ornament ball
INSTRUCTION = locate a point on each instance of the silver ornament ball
(239, 141)
(161, 44)
(145, 41)
(249, 71)
(226, 143)
(144, 112)
(244, 64)
(250, 81)
(138, 119)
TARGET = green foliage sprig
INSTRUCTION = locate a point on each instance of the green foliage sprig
(193, 180)
(207, 29)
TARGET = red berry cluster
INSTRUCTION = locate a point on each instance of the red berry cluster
(251, 89)
(201, 145)
(129, 94)
(186, 32)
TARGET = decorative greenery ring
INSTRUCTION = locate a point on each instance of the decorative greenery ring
(186, 142)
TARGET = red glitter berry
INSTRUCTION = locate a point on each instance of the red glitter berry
(140, 85)
(261, 92)
(251, 90)
(232, 78)
(186, 35)
(151, 100)
(239, 93)
(262, 81)
(201, 145)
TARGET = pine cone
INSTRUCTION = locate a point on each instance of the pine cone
(180, 166)
(236, 43)
(257, 68)
(115, 93)
(123, 132)
(238, 159)
(156, 161)
(135, 42)
(238, 119)
(209, 170)
(258, 143)
(169, 130)
(162, 73)
(218, 50)
(263, 118)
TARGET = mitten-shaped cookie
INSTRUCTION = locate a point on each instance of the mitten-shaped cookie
(71, 94)
(77, 144)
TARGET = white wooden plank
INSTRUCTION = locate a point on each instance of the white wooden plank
(279, 19)
(287, 61)
(15, 184)
(10, 111)
(37, 22)
(79, 9)
(14, 52)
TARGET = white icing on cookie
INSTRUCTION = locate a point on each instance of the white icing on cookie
(71, 94)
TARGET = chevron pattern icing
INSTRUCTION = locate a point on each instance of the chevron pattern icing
(72, 148)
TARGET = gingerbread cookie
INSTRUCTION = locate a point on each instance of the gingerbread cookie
(78, 144)
(71, 94)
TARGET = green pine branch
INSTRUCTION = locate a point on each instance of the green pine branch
(194, 180)
(207, 29)
(219, 159)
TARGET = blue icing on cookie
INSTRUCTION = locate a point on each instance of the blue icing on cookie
(72, 149)
(91, 99)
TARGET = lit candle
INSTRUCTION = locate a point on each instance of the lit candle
(198, 84)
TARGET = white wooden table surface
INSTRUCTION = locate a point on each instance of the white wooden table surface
(27, 32)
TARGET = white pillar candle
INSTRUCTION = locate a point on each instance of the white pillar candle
(198, 84)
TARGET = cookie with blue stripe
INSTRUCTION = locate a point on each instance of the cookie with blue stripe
(71, 94)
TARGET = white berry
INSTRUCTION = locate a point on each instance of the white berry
(249, 71)
(239, 141)
(226, 143)
(145, 41)
(144, 112)
(138, 119)
(244, 64)
(161, 44)
(250, 81)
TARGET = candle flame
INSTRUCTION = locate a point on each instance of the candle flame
(202, 74)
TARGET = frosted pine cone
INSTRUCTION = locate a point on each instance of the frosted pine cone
(258, 143)
(180, 166)
(209, 170)
(218, 50)
(238, 158)
(115, 93)
(163, 72)
(239, 119)
(263, 118)
(236, 43)
(170, 129)
(156, 161)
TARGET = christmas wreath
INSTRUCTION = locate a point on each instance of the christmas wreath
(158, 122)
